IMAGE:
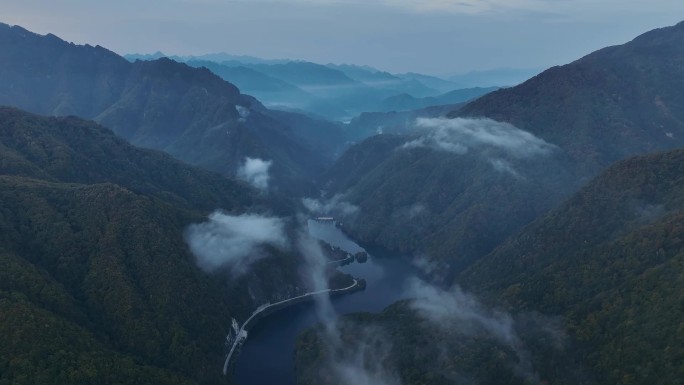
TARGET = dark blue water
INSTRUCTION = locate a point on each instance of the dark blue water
(267, 358)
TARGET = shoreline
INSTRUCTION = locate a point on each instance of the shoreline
(268, 309)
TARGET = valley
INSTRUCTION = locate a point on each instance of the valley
(272, 340)
(206, 219)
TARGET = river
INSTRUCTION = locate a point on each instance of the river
(267, 357)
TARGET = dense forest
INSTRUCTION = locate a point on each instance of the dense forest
(98, 285)
(589, 292)
(606, 267)
(546, 219)
(470, 189)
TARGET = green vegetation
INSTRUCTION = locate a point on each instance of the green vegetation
(615, 103)
(453, 208)
(96, 282)
(611, 260)
(609, 263)
(416, 352)
(77, 151)
(109, 265)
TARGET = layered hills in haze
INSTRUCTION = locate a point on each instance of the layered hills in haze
(337, 92)
(471, 181)
(187, 112)
(590, 292)
(558, 202)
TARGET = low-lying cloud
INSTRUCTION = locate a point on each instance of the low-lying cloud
(505, 167)
(441, 306)
(462, 135)
(459, 311)
(243, 112)
(255, 172)
(435, 271)
(363, 363)
(234, 242)
(366, 361)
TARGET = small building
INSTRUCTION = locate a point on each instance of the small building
(324, 219)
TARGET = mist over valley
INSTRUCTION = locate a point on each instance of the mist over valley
(485, 210)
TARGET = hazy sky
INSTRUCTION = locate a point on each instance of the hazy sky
(431, 36)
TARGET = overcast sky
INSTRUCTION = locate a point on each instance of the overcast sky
(430, 36)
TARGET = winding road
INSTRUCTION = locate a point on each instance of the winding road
(242, 333)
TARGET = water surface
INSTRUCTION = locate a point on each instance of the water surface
(267, 357)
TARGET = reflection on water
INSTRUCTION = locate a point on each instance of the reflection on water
(267, 358)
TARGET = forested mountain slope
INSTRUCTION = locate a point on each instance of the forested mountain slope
(611, 260)
(611, 104)
(97, 284)
(188, 112)
(615, 103)
(591, 293)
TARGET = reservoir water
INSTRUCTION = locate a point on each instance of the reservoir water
(267, 357)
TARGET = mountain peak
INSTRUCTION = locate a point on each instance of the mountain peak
(606, 106)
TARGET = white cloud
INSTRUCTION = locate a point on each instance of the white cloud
(460, 135)
(365, 361)
(243, 112)
(459, 311)
(446, 307)
(416, 209)
(233, 241)
(504, 166)
(255, 171)
(436, 271)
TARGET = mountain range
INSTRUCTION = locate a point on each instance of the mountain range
(546, 217)
(331, 91)
(611, 261)
(589, 292)
(187, 112)
(475, 179)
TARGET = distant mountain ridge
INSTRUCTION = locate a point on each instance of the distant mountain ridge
(406, 102)
(500, 77)
(218, 57)
(190, 113)
(333, 91)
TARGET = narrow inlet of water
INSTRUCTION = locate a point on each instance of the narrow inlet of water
(267, 357)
